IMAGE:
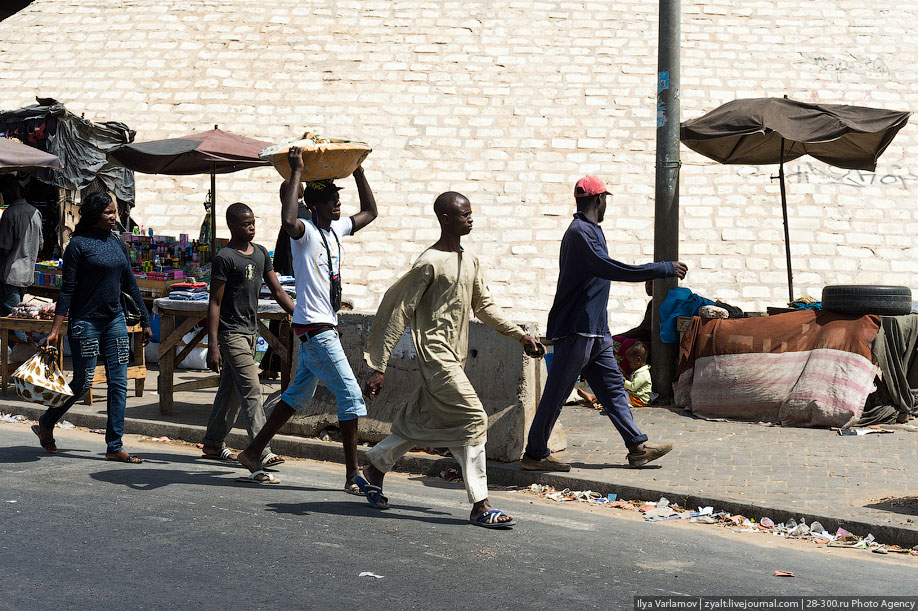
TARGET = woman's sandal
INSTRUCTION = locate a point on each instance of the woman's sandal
(128, 458)
(49, 445)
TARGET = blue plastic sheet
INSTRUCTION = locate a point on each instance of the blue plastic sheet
(679, 301)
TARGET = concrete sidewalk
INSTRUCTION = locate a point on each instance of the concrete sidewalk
(867, 484)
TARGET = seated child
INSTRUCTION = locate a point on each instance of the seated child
(639, 386)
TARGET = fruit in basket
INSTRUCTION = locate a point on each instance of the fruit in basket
(323, 158)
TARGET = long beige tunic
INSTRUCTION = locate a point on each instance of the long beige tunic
(435, 298)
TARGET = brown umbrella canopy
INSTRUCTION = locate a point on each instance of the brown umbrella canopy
(760, 131)
(15, 156)
(751, 131)
(211, 152)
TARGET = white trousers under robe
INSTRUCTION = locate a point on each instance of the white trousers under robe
(471, 460)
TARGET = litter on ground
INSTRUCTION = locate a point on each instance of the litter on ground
(663, 510)
(861, 431)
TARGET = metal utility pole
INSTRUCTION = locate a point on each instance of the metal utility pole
(666, 209)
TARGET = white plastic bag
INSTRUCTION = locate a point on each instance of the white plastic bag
(197, 358)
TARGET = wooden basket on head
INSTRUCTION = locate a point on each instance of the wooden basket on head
(323, 158)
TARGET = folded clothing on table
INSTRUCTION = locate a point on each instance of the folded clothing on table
(189, 295)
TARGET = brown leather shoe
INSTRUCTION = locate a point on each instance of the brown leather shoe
(544, 464)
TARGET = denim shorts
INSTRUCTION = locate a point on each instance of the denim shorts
(322, 359)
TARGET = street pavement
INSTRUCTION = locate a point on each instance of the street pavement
(811, 471)
(77, 532)
(866, 484)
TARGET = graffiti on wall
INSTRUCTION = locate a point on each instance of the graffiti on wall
(848, 67)
(895, 176)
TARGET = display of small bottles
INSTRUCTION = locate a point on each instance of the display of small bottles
(167, 255)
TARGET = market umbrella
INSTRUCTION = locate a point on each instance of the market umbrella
(15, 156)
(760, 131)
(212, 152)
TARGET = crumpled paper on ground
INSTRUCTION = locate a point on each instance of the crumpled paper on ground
(663, 509)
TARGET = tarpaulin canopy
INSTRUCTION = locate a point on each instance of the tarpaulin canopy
(82, 146)
(15, 156)
(759, 131)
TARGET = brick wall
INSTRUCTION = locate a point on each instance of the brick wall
(508, 102)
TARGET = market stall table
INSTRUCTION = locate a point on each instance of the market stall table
(194, 313)
(137, 368)
(149, 290)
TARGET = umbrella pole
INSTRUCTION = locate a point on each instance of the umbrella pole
(213, 213)
(790, 273)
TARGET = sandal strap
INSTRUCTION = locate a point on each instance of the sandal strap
(491, 516)
(270, 458)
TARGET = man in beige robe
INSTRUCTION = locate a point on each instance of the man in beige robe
(435, 298)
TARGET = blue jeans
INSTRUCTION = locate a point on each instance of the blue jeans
(10, 297)
(593, 357)
(321, 359)
(90, 339)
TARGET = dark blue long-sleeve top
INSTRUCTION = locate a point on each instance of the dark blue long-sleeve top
(94, 272)
(584, 279)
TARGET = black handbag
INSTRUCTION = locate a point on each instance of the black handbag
(129, 307)
(132, 314)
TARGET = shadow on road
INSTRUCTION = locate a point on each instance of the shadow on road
(138, 477)
(907, 505)
(23, 454)
(360, 508)
(594, 466)
(433, 482)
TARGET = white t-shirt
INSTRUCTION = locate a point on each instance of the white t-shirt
(310, 267)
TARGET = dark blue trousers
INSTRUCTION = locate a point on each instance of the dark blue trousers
(594, 358)
(88, 341)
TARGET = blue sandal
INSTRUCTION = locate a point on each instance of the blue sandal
(489, 519)
(373, 493)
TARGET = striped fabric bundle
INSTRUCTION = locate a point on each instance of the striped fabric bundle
(805, 368)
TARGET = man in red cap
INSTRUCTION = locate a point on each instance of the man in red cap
(578, 327)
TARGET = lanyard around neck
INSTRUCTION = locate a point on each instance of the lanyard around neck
(331, 271)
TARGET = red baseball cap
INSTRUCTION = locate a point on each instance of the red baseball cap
(589, 185)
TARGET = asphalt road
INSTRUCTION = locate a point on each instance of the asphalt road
(178, 533)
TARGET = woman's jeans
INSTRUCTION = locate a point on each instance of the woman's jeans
(90, 339)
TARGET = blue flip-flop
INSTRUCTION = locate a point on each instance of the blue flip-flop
(373, 493)
(489, 519)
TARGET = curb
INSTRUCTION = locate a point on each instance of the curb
(498, 473)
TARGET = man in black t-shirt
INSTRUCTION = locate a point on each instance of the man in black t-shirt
(236, 275)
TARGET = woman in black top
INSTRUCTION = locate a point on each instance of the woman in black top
(96, 269)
